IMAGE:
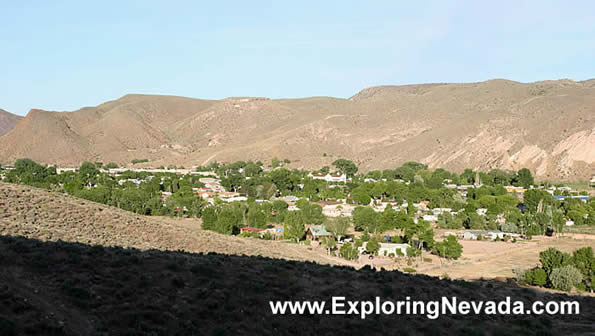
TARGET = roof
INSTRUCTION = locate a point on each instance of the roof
(249, 228)
(319, 231)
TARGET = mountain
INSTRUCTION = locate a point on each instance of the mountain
(547, 126)
(8, 121)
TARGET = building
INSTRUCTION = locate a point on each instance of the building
(513, 189)
(392, 249)
(430, 218)
(317, 232)
(488, 235)
(250, 229)
(333, 178)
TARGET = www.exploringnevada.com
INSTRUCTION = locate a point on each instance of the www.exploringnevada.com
(339, 305)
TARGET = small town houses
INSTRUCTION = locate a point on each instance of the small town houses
(331, 178)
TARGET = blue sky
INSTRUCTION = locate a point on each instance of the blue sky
(63, 55)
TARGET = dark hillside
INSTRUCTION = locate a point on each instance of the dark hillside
(58, 288)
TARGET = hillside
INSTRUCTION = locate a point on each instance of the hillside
(48, 216)
(547, 126)
(8, 121)
(73, 267)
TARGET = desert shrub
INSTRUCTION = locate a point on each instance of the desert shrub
(536, 277)
(135, 161)
(565, 277)
(519, 274)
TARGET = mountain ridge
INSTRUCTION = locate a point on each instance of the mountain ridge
(8, 121)
(548, 126)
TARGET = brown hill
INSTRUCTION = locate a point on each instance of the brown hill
(8, 121)
(50, 216)
(547, 126)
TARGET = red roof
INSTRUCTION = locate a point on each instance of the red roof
(250, 229)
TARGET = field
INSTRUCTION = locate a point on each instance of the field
(485, 259)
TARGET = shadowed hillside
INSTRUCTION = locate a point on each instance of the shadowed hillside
(75, 289)
(547, 126)
(7, 121)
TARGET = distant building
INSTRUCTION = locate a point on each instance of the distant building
(250, 229)
(317, 232)
(329, 177)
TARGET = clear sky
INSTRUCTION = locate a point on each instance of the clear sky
(63, 55)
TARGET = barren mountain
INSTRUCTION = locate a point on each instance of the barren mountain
(7, 121)
(547, 126)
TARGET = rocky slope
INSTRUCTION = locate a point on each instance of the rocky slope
(547, 126)
(8, 121)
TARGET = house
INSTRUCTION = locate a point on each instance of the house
(235, 199)
(63, 170)
(440, 211)
(317, 232)
(336, 209)
(250, 229)
(430, 218)
(334, 178)
(387, 249)
(513, 189)
(489, 235)
(482, 211)
(392, 249)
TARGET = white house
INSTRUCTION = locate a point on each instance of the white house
(482, 211)
(329, 177)
(430, 218)
(388, 249)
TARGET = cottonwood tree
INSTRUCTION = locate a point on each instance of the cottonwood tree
(293, 226)
(338, 226)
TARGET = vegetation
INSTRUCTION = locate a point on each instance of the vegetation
(563, 271)
(117, 291)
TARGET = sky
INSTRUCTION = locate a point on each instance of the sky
(64, 55)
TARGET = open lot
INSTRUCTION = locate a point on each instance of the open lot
(486, 259)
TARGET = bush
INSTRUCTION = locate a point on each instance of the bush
(135, 161)
(409, 270)
(537, 277)
(565, 277)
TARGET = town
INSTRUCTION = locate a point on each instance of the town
(378, 217)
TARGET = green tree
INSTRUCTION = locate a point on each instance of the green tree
(372, 246)
(338, 226)
(553, 258)
(293, 226)
(525, 178)
(448, 248)
(365, 218)
(346, 167)
(348, 251)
